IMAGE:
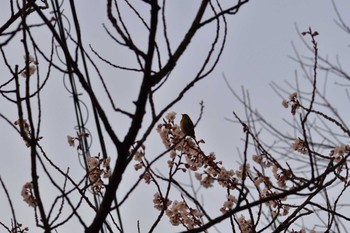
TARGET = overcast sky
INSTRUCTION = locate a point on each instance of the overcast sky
(256, 54)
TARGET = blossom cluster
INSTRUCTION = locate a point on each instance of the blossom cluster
(262, 160)
(245, 225)
(178, 212)
(27, 194)
(293, 101)
(98, 169)
(30, 70)
(281, 177)
(160, 203)
(276, 205)
(228, 204)
(79, 138)
(338, 152)
(300, 146)
(139, 156)
(337, 155)
(170, 133)
(224, 177)
(18, 228)
(23, 124)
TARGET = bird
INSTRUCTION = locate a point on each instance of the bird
(187, 126)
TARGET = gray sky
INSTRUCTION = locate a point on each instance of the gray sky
(256, 53)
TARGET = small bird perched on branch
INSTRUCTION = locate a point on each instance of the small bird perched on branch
(187, 126)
